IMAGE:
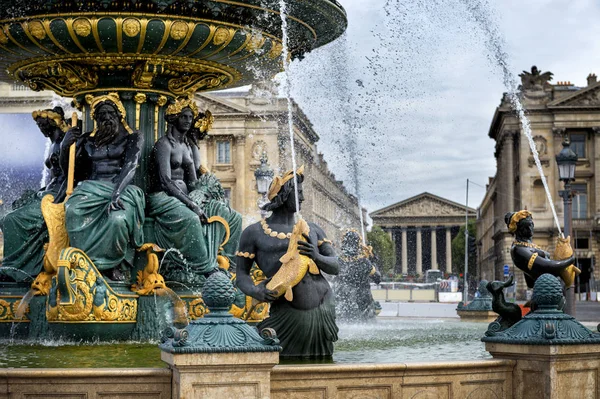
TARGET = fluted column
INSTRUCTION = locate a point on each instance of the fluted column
(419, 253)
(448, 251)
(203, 149)
(434, 265)
(509, 168)
(404, 252)
(240, 172)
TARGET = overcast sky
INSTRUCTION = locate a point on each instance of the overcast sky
(426, 90)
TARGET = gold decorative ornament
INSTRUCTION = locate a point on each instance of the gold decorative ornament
(88, 298)
(144, 74)
(271, 233)
(532, 260)
(221, 36)
(82, 27)
(113, 98)
(247, 255)
(256, 42)
(55, 117)
(279, 181)
(36, 28)
(180, 104)
(148, 280)
(132, 27)
(189, 84)
(525, 244)
(162, 100)
(275, 51)
(64, 78)
(8, 310)
(515, 218)
(140, 98)
(179, 30)
(3, 37)
(205, 123)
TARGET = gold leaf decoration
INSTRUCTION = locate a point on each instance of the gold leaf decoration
(131, 27)
(82, 27)
(221, 36)
(37, 30)
(179, 30)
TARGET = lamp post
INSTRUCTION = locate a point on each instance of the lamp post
(566, 160)
(264, 177)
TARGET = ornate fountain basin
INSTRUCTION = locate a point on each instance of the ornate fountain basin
(172, 46)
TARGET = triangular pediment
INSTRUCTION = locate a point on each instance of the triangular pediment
(588, 97)
(219, 105)
(422, 205)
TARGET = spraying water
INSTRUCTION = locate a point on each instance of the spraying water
(498, 56)
(45, 170)
(285, 58)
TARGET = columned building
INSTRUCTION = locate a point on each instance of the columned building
(555, 111)
(247, 124)
(422, 228)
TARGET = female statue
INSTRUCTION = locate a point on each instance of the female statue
(528, 257)
(25, 232)
(353, 298)
(305, 324)
(184, 196)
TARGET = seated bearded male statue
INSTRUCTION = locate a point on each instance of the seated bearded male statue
(105, 213)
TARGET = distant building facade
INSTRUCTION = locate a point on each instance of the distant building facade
(246, 125)
(422, 228)
(554, 111)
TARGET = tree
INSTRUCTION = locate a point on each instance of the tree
(383, 248)
(458, 250)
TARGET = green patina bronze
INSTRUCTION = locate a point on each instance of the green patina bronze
(482, 302)
(547, 325)
(219, 331)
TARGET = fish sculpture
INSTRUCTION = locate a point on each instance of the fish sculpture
(293, 265)
(148, 279)
(563, 251)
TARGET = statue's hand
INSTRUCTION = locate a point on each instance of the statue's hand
(262, 293)
(75, 133)
(308, 248)
(201, 215)
(116, 204)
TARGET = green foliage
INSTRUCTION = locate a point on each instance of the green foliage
(458, 250)
(383, 248)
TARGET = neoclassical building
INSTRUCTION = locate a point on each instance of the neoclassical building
(422, 228)
(246, 125)
(554, 111)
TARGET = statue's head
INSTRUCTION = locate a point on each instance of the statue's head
(49, 120)
(520, 223)
(109, 114)
(282, 193)
(184, 116)
(351, 243)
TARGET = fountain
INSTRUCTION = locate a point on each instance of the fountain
(137, 62)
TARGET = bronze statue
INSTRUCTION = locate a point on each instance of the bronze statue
(353, 298)
(25, 232)
(304, 318)
(530, 258)
(185, 198)
(105, 213)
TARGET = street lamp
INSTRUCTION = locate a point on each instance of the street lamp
(264, 177)
(566, 160)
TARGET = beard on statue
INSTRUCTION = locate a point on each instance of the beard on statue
(106, 131)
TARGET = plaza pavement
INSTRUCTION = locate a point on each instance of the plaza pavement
(586, 311)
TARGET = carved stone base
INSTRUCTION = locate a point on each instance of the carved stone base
(477, 315)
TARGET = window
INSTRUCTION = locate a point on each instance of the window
(579, 207)
(224, 152)
(539, 195)
(227, 192)
(578, 144)
(582, 243)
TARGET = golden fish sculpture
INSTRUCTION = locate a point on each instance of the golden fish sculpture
(563, 251)
(293, 265)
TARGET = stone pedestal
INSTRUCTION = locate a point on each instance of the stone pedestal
(477, 315)
(552, 371)
(221, 375)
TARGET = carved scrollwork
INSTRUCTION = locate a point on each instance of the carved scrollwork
(63, 78)
(144, 74)
(192, 83)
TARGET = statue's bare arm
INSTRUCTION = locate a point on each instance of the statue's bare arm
(133, 150)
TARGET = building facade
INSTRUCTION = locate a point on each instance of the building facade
(555, 112)
(422, 228)
(248, 124)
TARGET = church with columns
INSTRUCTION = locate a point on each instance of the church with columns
(422, 228)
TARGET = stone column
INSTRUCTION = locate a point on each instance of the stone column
(203, 149)
(434, 265)
(448, 251)
(404, 252)
(419, 253)
(509, 168)
(240, 173)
